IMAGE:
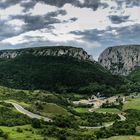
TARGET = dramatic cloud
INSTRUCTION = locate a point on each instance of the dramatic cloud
(91, 24)
(118, 19)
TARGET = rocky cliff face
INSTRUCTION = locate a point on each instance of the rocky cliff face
(78, 53)
(121, 60)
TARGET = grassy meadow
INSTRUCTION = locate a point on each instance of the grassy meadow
(132, 104)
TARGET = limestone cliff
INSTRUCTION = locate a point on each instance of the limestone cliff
(121, 60)
(78, 53)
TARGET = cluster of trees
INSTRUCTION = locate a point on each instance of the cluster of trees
(64, 134)
(118, 105)
(20, 95)
(96, 119)
(127, 127)
(10, 118)
(3, 134)
(53, 131)
(83, 119)
(65, 121)
(60, 128)
(36, 123)
(130, 87)
(118, 128)
(133, 116)
(94, 88)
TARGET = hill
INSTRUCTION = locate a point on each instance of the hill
(54, 68)
(121, 60)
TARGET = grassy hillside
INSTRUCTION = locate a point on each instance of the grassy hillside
(52, 73)
(49, 109)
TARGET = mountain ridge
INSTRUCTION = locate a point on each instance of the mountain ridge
(79, 53)
(120, 60)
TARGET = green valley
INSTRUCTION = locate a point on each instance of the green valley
(47, 94)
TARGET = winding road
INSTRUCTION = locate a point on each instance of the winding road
(122, 118)
(97, 127)
(28, 113)
(33, 115)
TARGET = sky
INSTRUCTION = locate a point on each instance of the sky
(91, 24)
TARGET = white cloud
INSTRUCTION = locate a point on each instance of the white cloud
(12, 10)
(42, 8)
(16, 22)
(44, 34)
(82, 1)
(134, 13)
(87, 18)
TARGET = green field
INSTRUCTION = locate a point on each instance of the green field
(28, 133)
(132, 104)
(81, 110)
(108, 110)
(51, 109)
(124, 138)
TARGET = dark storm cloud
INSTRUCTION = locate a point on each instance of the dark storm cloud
(38, 22)
(60, 3)
(4, 30)
(28, 5)
(89, 35)
(129, 3)
(128, 35)
(74, 19)
(118, 19)
(7, 3)
(93, 4)
(31, 23)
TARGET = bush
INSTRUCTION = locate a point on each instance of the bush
(36, 123)
(19, 130)
(65, 121)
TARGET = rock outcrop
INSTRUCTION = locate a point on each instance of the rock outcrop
(120, 60)
(78, 53)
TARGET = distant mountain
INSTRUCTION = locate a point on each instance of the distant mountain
(121, 60)
(51, 68)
